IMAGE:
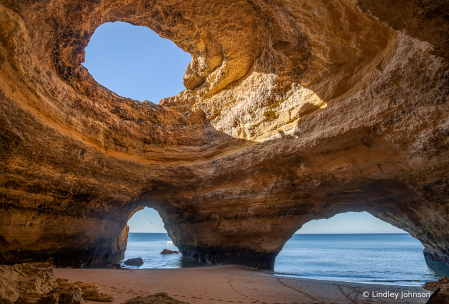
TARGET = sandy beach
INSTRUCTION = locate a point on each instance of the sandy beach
(235, 284)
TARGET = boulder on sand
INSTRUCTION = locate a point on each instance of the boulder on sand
(27, 284)
(134, 262)
(440, 289)
(90, 291)
(442, 283)
(25, 281)
(59, 295)
(159, 298)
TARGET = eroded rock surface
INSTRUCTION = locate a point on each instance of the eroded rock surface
(89, 291)
(27, 284)
(158, 298)
(26, 281)
(440, 289)
(293, 111)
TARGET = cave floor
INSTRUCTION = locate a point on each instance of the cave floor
(233, 284)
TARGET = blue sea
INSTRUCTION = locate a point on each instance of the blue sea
(364, 258)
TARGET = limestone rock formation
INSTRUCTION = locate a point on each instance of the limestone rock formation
(440, 289)
(59, 295)
(442, 297)
(158, 298)
(293, 111)
(442, 283)
(27, 284)
(89, 291)
(25, 281)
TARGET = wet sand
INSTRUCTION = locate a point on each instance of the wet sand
(234, 284)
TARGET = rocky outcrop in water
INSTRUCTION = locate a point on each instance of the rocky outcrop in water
(134, 262)
(166, 251)
(293, 111)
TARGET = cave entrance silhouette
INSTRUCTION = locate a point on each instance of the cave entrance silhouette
(135, 62)
(356, 247)
(147, 237)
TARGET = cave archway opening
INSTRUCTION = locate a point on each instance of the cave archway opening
(135, 62)
(357, 247)
(147, 238)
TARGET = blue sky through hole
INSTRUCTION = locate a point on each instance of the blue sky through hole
(146, 220)
(149, 221)
(133, 61)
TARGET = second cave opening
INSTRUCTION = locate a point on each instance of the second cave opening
(357, 247)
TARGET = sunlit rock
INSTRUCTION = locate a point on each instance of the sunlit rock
(293, 111)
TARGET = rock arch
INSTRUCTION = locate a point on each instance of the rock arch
(293, 111)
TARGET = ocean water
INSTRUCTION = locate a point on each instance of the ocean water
(148, 247)
(364, 258)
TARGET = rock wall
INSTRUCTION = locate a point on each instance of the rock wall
(293, 111)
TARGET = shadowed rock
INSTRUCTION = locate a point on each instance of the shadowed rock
(26, 284)
(90, 291)
(441, 291)
(158, 298)
(25, 281)
(442, 297)
(442, 283)
(59, 295)
(166, 251)
(134, 262)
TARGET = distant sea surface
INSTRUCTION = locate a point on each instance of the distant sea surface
(364, 258)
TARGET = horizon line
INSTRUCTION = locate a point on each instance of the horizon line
(312, 233)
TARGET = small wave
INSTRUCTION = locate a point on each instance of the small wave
(356, 280)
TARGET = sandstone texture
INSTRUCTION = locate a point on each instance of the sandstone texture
(27, 284)
(60, 295)
(440, 298)
(442, 283)
(293, 111)
(158, 298)
(25, 281)
(440, 289)
(89, 291)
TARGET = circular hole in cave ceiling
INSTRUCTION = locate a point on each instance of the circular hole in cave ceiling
(133, 61)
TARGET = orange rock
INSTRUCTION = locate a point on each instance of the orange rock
(293, 111)
(89, 291)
